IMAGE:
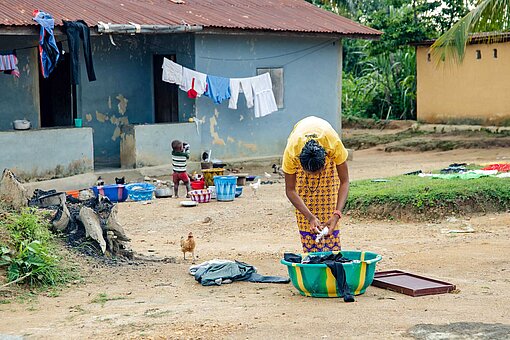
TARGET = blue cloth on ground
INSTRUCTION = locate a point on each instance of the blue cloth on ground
(48, 49)
(218, 88)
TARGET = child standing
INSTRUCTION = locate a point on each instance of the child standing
(180, 155)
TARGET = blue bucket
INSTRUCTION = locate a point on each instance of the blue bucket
(225, 187)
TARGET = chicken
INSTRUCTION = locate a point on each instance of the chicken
(278, 170)
(255, 186)
(188, 246)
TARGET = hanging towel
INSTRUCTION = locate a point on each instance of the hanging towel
(48, 50)
(218, 88)
(240, 85)
(172, 72)
(193, 82)
(76, 30)
(264, 100)
(9, 64)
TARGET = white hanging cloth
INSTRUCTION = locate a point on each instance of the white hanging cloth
(172, 72)
(264, 100)
(240, 85)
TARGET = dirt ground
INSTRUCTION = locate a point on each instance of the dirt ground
(161, 300)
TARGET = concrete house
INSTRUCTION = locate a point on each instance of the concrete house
(129, 115)
(473, 92)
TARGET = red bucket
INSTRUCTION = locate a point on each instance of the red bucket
(197, 185)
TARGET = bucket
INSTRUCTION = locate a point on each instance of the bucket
(78, 122)
(209, 175)
(225, 187)
(197, 185)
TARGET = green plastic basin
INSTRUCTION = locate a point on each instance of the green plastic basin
(317, 280)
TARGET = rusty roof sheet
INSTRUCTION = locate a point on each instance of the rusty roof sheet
(273, 15)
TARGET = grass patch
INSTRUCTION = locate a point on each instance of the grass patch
(29, 252)
(365, 141)
(417, 198)
(103, 298)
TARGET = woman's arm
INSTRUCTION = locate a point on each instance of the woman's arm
(297, 202)
(343, 191)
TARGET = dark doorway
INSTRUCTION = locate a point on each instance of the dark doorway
(165, 94)
(56, 96)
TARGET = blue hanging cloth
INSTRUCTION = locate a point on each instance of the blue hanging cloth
(48, 50)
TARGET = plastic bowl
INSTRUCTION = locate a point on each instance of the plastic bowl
(115, 192)
(316, 280)
(140, 191)
(239, 191)
(200, 196)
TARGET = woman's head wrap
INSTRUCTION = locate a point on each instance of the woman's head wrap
(313, 156)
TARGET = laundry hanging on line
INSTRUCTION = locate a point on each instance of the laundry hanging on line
(48, 50)
(76, 31)
(9, 64)
(258, 90)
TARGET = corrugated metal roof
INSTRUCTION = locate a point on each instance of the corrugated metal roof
(275, 15)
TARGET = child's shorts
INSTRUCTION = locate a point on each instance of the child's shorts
(180, 176)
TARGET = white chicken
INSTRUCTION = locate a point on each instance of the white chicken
(255, 186)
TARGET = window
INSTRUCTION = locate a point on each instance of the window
(495, 53)
(276, 74)
(478, 54)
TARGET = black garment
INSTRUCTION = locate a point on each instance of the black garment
(76, 30)
(334, 262)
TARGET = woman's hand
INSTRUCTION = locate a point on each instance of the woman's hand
(332, 224)
(315, 225)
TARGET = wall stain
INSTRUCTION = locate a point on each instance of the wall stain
(230, 139)
(116, 134)
(216, 138)
(114, 120)
(241, 117)
(249, 146)
(123, 102)
(101, 117)
(110, 102)
(88, 117)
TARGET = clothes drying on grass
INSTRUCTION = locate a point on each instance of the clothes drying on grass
(504, 167)
(48, 50)
(9, 64)
(76, 31)
(218, 89)
(334, 263)
(218, 272)
(172, 72)
(193, 82)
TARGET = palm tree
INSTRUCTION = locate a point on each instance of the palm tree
(491, 16)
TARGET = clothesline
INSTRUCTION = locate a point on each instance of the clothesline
(258, 90)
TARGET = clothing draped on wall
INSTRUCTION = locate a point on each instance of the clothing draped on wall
(48, 50)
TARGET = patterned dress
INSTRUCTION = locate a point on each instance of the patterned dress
(319, 192)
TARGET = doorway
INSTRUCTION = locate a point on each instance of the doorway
(165, 94)
(56, 95)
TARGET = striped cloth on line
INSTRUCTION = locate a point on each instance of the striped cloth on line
(9, 64)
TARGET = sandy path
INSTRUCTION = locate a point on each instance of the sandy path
(163, 301)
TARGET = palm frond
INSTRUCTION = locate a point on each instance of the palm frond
(492, 16)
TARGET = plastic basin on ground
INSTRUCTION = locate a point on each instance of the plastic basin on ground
(200, 196)
(115, 192)
(225, 187)
(317, 280)
(140, 191)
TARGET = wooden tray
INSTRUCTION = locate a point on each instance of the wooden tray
(410, 284)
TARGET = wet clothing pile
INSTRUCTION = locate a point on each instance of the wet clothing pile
(218, 272)
(334, 261)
